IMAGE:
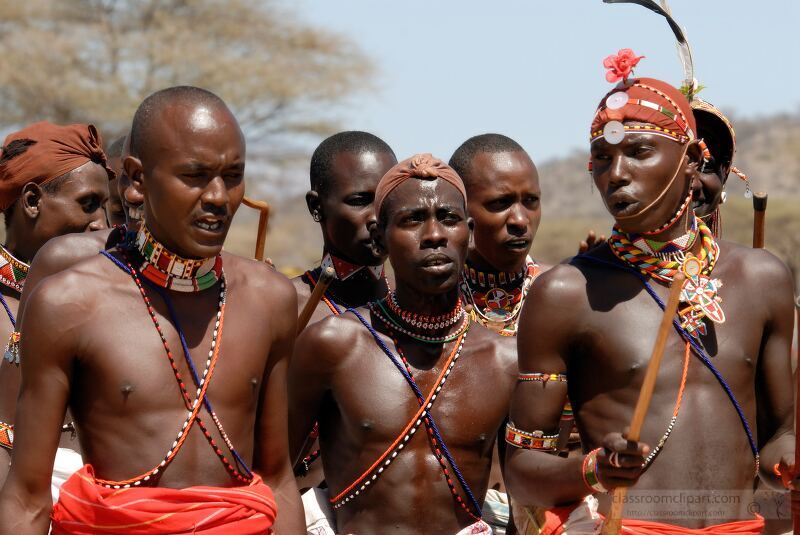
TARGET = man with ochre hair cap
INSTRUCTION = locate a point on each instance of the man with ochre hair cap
(53, 181)
(410, 450)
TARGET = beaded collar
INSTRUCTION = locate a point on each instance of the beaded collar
(344, 269)
(700, 291)
(498, 306)
(12, 270)
(168, 270)
(420, 327)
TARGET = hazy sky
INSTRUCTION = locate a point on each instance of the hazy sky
(450, 69)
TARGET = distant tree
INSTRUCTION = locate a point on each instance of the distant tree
(95, 60)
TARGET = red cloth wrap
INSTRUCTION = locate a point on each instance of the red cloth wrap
(422, 166)
(58, 150)
(654, 91)
(85, 507)
(555, 519)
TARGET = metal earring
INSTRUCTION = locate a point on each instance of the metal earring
(315, 215)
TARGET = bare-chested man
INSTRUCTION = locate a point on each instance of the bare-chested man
(726, 371)
(53, 181)
(373, 377)
(345, 168)
(504, 203)
(56, 255)
(112, 338)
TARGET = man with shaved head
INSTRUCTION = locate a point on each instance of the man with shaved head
(170, 354)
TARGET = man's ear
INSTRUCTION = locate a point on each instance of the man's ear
(31, 200)
(377, 238)
(134, 193)
(314, 205)
(471, 226)
(694, 158)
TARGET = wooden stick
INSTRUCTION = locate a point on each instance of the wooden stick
(759, 215)
(796, 493)
(613, 522)
(263, 218)
(325, 279)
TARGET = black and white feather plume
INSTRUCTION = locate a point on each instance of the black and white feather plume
(684, 51)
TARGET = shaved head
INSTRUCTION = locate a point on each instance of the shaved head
(151, 110)
(462, 158)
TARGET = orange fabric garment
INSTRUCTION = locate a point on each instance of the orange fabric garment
(57, 150)
(85, 507)
(555, 519)
(421, 166)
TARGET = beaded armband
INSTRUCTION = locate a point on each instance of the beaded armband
(589, 472)
(6, 436)
(12, 348)
(530, 441)
(542, 377)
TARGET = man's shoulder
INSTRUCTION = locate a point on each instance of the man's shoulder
(493, 348)
(752, 263)
(64, 251)
(75, 287)
(256, 276)
(559, 282)
(332, 340)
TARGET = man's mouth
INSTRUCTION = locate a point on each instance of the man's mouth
(518, 244)
(210, 225)
(437, 264)
(621, 204)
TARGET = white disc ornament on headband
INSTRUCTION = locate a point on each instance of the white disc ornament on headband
(614, 132)
(616, 100)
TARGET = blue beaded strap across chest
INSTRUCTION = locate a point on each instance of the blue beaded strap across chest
(697, 348)
(187, 355)
(429, 417)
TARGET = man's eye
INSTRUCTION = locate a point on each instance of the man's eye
(497, 205)
(90, 204)
(361, 200)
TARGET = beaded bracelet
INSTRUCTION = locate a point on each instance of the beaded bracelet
(542, 377)
(530, 441)
(6, 436)
(590, 473)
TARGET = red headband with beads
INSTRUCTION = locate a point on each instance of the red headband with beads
(661, 108)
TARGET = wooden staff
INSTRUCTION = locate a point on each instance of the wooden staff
(263, 218)
(796, 493)
(759, 215)
(613, 522)
(325, 279)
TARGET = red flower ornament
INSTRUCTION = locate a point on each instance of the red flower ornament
(620, 66)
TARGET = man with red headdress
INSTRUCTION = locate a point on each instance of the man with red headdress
(722, 408)
(406, 435)
(53, 181)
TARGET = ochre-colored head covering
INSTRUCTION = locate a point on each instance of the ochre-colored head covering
(647, 100)
(421, 166)
(57, 150)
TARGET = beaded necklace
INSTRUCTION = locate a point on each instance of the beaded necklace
(700, 291)
(387, 317)
(424, 322)
(333, 302)
(498, 308)
(240, 472)
(12, 275)
(170, 271)
(12, 270)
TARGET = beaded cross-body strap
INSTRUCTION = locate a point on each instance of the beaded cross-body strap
(376, 468)
(436, 437)
(697, 349)
(193, 407)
